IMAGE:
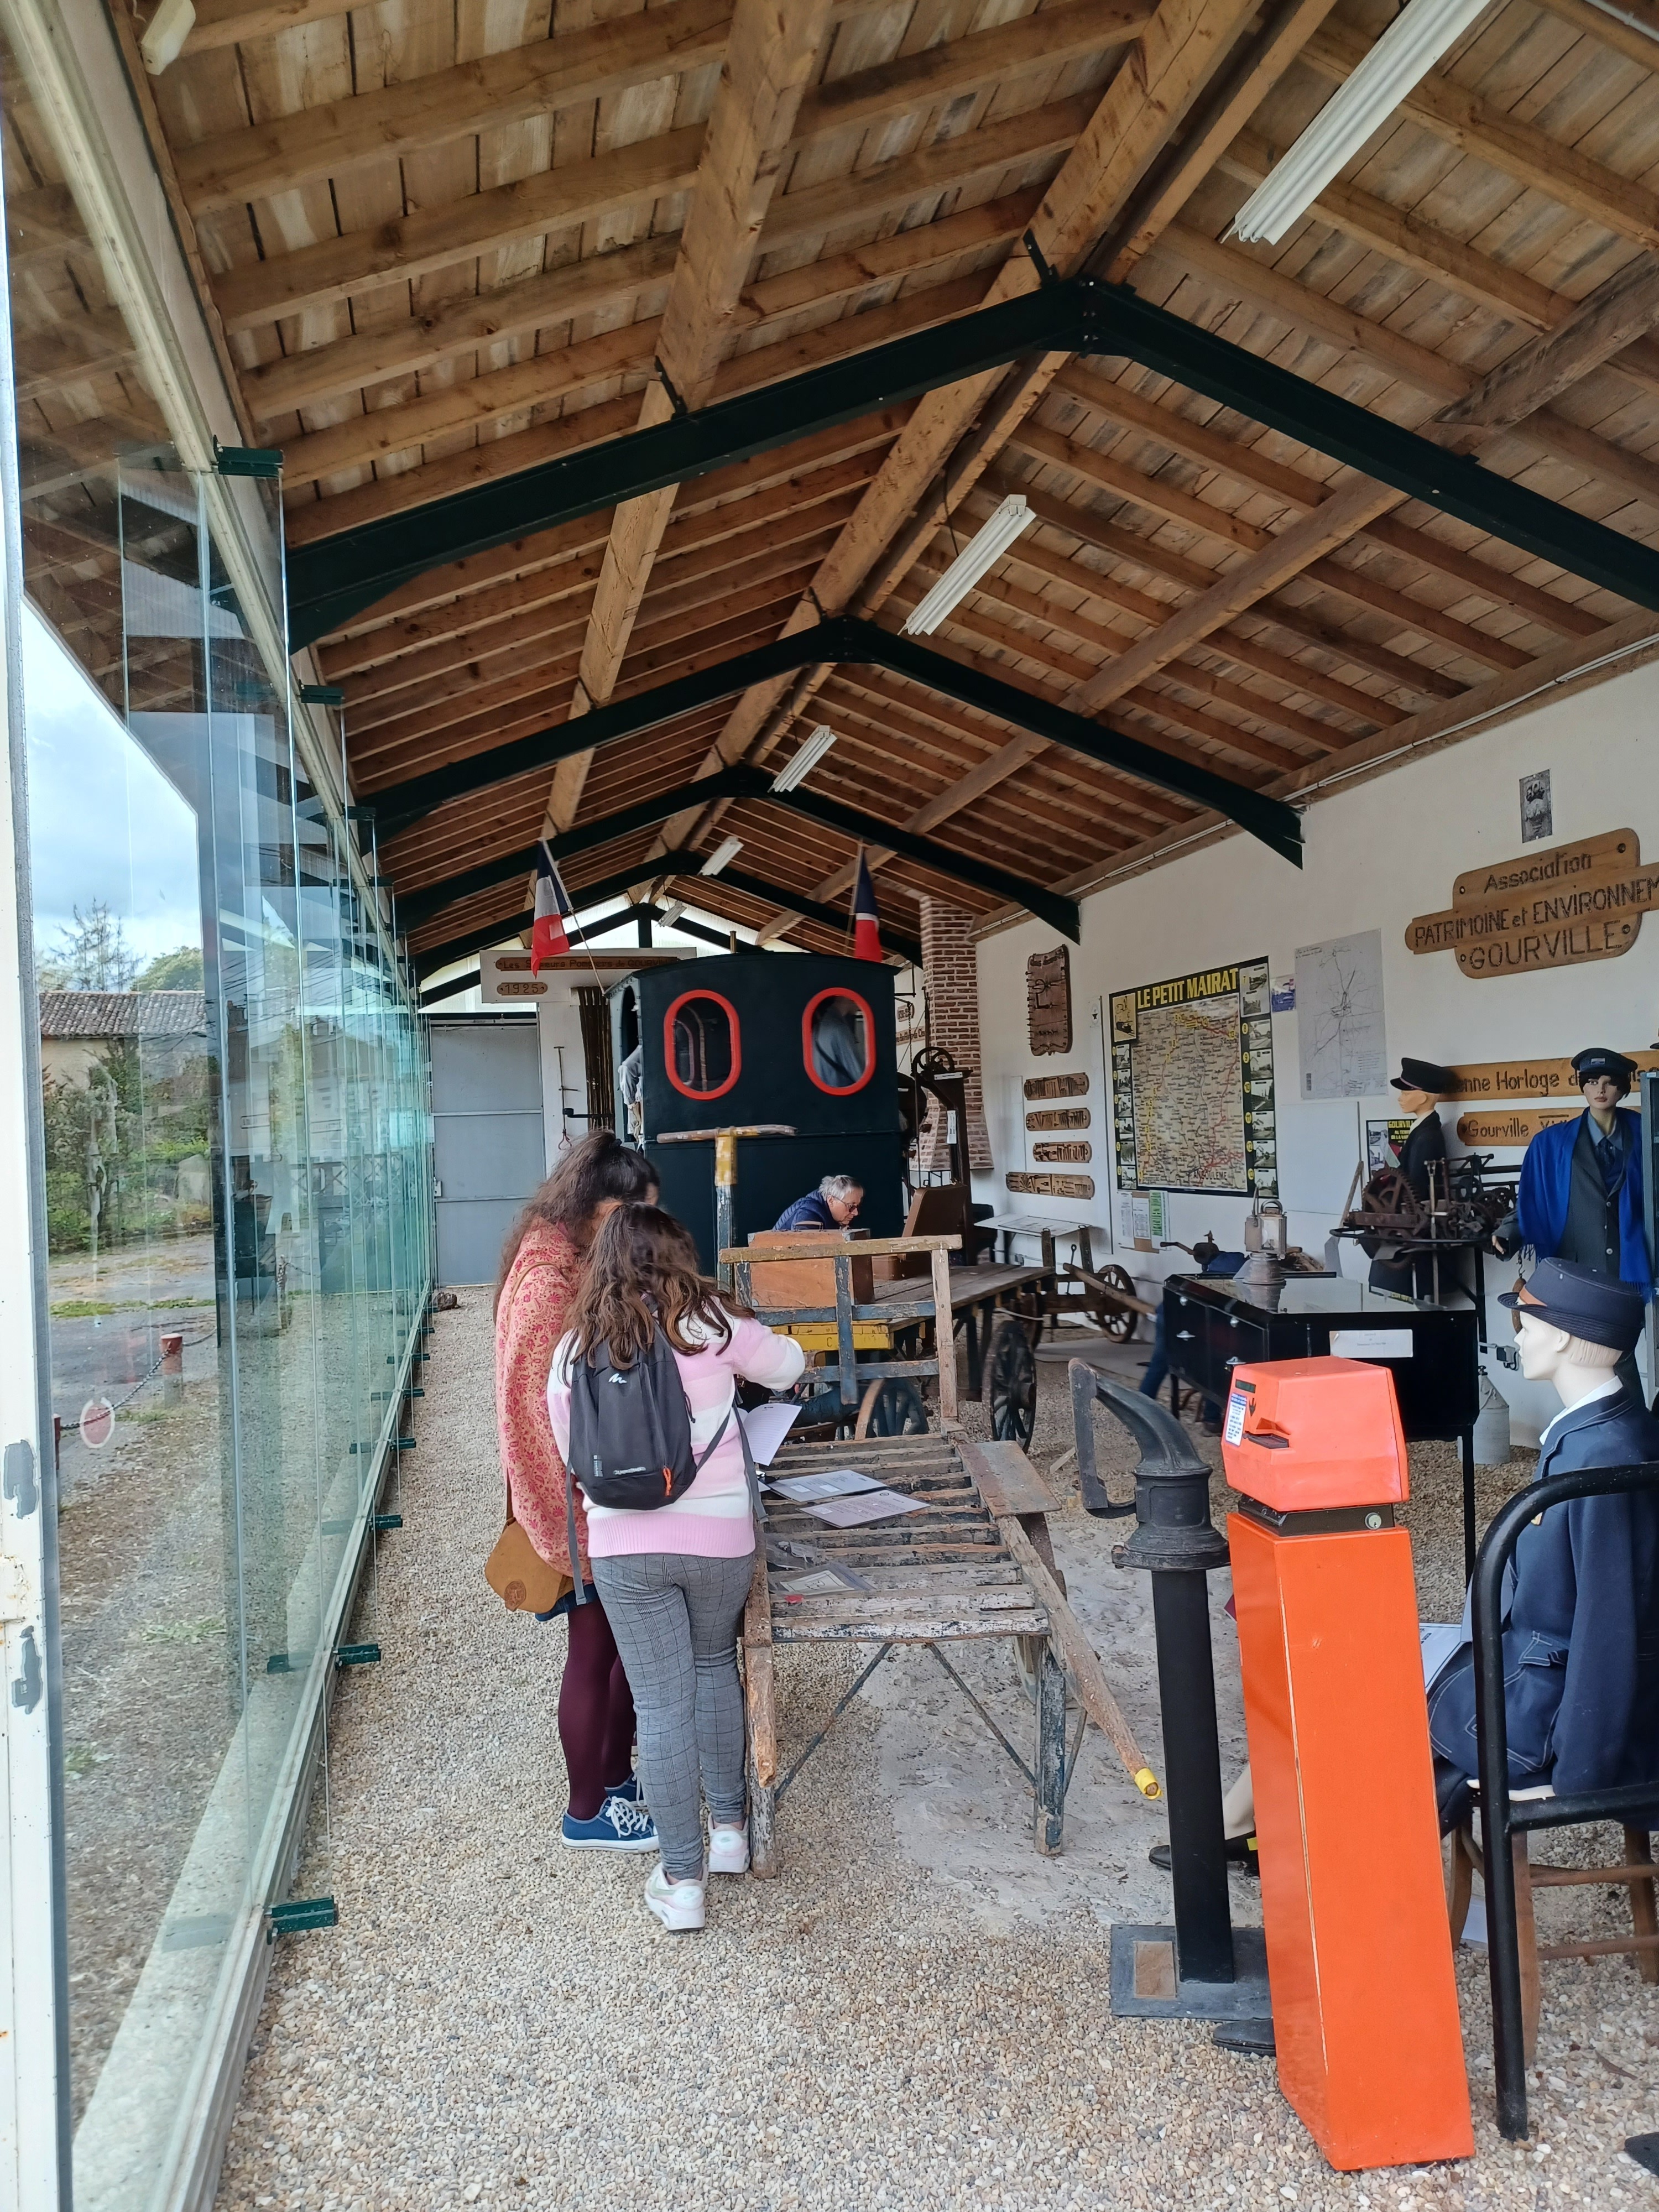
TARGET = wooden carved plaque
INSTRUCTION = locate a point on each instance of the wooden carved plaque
(1058, 1117)
(1056, 1086)
(1049, 1000)
(1518, 1127)
(1496, 1082)
(1547, 909)
(1050, 1186)
(1075, 1154)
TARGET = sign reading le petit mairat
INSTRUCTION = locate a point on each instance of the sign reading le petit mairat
(1548, 909)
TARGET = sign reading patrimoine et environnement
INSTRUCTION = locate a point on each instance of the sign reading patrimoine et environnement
(1548, 909)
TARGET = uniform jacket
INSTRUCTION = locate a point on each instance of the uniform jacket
(1426, 1142)
(1580, 1644)
(1540, 1208)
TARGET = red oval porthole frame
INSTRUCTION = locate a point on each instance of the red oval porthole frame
(730, 1012)
(837, 990)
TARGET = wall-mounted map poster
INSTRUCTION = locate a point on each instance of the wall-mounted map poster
(1193, 1084)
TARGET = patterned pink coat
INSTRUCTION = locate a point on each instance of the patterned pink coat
(533, 1315)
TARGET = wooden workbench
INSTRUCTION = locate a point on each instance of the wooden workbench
(975, 1563)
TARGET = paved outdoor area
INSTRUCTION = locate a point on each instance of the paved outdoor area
(913, 2016)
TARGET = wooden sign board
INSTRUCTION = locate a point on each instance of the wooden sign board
(1074, 1154)
(1056, 1086)
(505, 978)
(1050, 1186)
(1058, 1117)
(1498, 1081)
(1548, 909)
(1518, 1127)
(1049, 1000)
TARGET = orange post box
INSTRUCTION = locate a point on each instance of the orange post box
(1359, 1949)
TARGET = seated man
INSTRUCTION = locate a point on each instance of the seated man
(833, 1204)
(1581, 1631)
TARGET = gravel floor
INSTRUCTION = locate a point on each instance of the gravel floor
(497, 2021)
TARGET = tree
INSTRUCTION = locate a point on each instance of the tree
(91, 954)
(179, 970)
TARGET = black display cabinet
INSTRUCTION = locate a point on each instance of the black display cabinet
(1212, 1324)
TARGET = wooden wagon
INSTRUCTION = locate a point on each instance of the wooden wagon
(974, 1563)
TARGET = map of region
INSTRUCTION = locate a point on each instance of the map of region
(1339, 1017)
(1190, 1098)
(1193, 1104)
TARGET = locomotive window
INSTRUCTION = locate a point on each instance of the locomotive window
(701, 1045)
(838, 1041)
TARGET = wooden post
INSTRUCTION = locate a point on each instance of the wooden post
(1081, 1657)
(848, 1383)
(761, 1700)
(944, 1338)
(1049, 1812)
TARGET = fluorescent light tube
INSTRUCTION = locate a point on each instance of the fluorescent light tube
(669, 915)
(164, 41)
(982, 551)
(808, 755)
(727, 850)
(1405, 53)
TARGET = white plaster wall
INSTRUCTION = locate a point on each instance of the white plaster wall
(1376, 856)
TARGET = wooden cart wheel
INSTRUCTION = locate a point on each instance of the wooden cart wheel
(1118, 1322)
(1011, 1382)
(892, 1408)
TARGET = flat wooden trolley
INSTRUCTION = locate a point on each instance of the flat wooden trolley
(974, 1563)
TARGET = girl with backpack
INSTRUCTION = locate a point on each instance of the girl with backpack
(647, 1379)
(541, 1266)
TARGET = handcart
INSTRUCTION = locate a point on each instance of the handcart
(973, 1562)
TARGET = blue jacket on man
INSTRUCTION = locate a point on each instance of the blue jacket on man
(811, 1212)
(1540, 1206)
(1581, 1643)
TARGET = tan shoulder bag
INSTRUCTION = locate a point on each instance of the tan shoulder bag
(520, 1578)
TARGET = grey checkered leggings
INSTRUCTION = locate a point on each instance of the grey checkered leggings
(675, 1619)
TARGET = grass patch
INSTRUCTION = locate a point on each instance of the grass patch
(182, 1632)
(80, 1760)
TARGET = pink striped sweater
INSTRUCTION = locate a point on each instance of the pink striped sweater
(712, 1520)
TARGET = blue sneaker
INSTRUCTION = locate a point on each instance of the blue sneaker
(629, 1791)
(619, 1824)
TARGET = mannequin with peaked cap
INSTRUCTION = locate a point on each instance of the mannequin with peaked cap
(1422, 1084)
(1580, 1198)
(1581, 1660)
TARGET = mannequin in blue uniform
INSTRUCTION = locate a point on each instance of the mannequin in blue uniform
(1580, 1188)
(1581, 1631)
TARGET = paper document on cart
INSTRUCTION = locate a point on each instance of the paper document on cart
(766, 1427)
(876, 1505)
(820, 1582)
(832, 1482)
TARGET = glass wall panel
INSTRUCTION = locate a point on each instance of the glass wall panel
(238, 1165)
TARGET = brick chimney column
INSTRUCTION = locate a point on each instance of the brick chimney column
(952, 973)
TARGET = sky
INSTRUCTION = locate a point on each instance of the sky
(104, 822)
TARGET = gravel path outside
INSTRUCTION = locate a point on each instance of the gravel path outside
(498, 2021)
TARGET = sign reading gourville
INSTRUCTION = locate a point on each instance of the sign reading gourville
(1548, 909)
(1049, 1000)
(1056, 1086)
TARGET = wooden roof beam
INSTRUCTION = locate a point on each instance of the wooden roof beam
(1121, 545)
(1301, 306)
(1462, 119)
(769, 63)
(556, 199)
(1183, 44)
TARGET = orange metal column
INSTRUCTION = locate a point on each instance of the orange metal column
(1359, 1950)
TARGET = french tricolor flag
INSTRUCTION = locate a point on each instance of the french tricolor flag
(547, 935)
(867, 922)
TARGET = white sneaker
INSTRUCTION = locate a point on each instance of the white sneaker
(677, 1905)
(728, 1848)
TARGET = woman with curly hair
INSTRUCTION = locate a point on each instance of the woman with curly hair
(541, 1267)
(674, 1579)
